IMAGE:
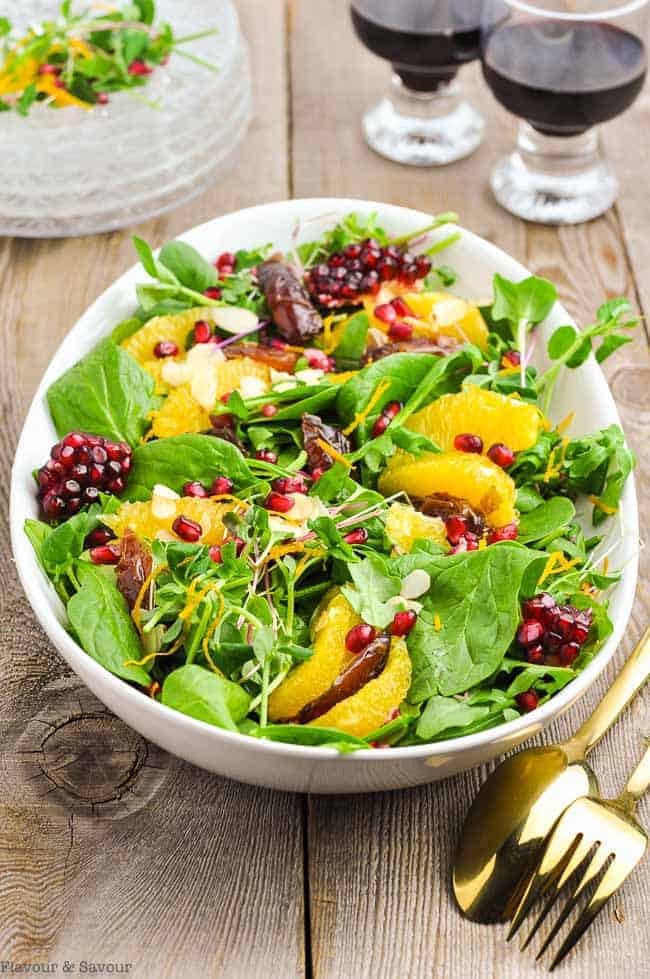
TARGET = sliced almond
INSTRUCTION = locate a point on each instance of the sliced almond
(234, 319)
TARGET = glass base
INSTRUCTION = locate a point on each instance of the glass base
(422, 129)
(555, 180)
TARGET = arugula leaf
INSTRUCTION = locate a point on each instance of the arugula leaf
(184, 458)
(550, 517)
(100, 618)
(373, 585)
(519, 305)
(476, 596)
(204, 695)
(107, 393)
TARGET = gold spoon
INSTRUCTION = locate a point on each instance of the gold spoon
(519, 804)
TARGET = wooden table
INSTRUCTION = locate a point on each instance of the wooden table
(113, 851)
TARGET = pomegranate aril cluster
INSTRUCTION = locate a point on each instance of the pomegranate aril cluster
(80, 467)
(552, 634)
(360, 269)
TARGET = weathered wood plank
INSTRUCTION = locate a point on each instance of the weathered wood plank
(380, 865)
(111, 850)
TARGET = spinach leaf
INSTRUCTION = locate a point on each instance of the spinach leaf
(444, 713)
(199, 693)
(352, 344)
(324, 737)
(107, 393)
(403, 371)
(100, 618)
(187, 266)
(183, 458)
(476, 597)
(37, 533)
(313, 403)
(126, 329)
(546, 519)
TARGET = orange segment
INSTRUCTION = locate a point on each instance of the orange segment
(141, 344)
(494, 417)
(142, 520)
(404, 526)
(180, 414)
(316, 675)
(476, 479)
(368, 709)
(435, 314)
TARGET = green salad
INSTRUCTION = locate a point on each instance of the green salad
(316, 497)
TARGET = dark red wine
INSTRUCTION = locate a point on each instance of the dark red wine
(564, 77)
(425, 41)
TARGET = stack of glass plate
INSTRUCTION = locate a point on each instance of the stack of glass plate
(72, 171)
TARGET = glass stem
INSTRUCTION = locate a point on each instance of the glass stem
(561, 155)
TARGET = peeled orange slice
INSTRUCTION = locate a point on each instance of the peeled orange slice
(316, 675)
(494, 417)
(176, 328)
(368, 709)
(476, 479)
(404, 525)
(180, 414)
(153, 519)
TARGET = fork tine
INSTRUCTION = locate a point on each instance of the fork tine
(559, 849)
(612, 879)
(599, 857)
(572, 859)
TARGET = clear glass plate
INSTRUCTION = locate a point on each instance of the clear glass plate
(66, 172)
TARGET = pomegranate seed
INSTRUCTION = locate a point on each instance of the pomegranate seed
(106, 554)
(403, 623)
(75, 439)
(535, 654)
(456, 528)
(60, 83)
(568, 653)
(501, 454)
(102, 98)
(579, 632)
(48, 69)
(277, 344)
(512, 357)
(215, 554)
(507, 532)
(380, 426)
(317, 473)
(471, 541)
(400, 331)
(239, 543)
(270, 410)
(265, 455)
(212, 293)
(534, 607)
(222, 485)
(352, 251)
(202, 331)
(226, 260)
(386, 313)
(552, 642)
(564, 621)
(138, 67)
(527, 701)
(394, 714)
(54, 507)
(422, 266)
(290, 484)
(530, 632)
(165, 348)
(188, 530)
(358, 536)
(392, 409)
(317, 359)
(195, 489)
(279, 502)
(100, 535)
(401, 307)
(466, 442)
(359, 637)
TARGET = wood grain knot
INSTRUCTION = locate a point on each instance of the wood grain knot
(93, 758)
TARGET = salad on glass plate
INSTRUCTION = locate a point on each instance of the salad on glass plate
(316, 498)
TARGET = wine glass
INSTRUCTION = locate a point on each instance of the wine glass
(422, 120)
(563, 66)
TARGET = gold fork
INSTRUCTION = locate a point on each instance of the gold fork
(598, 841)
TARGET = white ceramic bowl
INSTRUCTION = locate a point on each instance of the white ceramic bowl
(293, 767)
